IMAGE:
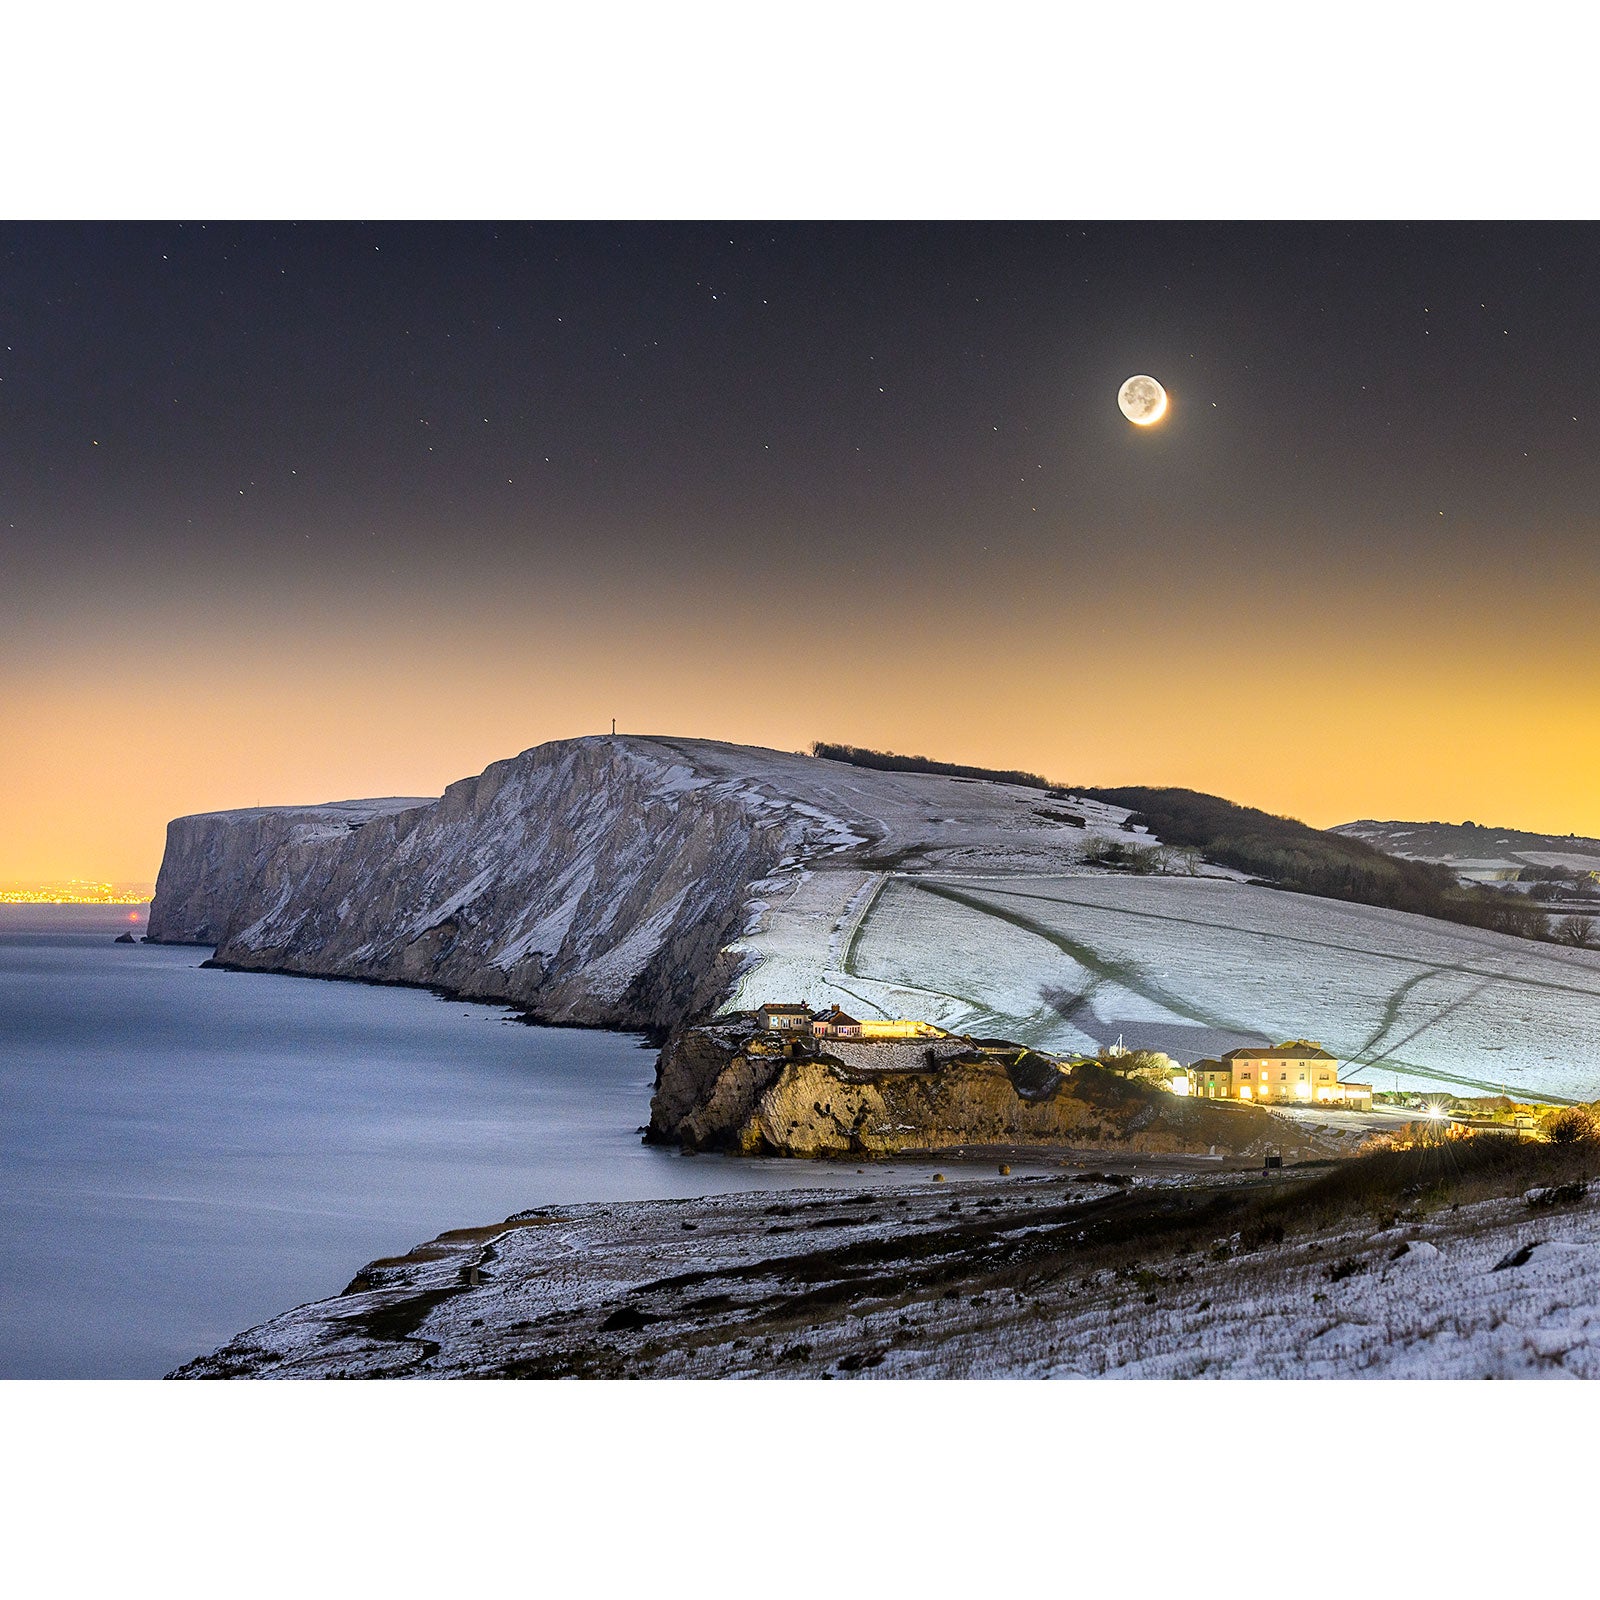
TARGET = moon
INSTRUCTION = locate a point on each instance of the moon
(1143, 401)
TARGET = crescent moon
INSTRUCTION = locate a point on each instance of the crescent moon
(1143, 401)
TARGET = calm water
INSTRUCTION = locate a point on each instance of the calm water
(184, 1152)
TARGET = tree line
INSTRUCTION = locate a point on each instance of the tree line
(889, 761)
(1292, 855)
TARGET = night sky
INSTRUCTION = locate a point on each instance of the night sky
(292, 513)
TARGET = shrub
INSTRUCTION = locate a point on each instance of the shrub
(1143, 859)
(1571, 1125)
(1102, 1088)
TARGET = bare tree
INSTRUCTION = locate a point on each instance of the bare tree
(1577, 931)
(1182, 860)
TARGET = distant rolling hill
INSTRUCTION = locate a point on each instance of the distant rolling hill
(1460, 843)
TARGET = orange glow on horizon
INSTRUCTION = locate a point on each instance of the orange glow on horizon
(1307, 699)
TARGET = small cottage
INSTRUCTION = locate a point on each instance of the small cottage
(835, 1024)
(785, 1018)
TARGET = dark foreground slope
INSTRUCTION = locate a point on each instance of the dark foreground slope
(1386, 1270)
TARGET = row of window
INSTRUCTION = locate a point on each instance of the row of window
(1282, 1076)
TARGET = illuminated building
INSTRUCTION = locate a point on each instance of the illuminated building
(1299, 1072)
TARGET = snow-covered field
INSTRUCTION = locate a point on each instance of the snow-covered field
(1067, 962)
(971, 905)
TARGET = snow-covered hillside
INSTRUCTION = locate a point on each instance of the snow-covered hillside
(1462, 844)
(637, 882)
(1194, 966)
(1019, 1277)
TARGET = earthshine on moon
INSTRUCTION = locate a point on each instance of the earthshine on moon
(1143, 401)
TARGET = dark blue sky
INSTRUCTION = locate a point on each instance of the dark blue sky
(912, 384)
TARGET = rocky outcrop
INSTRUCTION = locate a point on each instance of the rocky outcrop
(591, 881)
(729, 1087)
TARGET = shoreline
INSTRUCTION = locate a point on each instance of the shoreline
(521, 1014)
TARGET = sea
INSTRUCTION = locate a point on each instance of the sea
(185, 1151)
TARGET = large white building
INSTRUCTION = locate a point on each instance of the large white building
(1300, 1072)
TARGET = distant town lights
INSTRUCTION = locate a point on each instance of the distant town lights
(74, 892)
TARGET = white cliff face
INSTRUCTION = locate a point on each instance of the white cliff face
(602, 880)
(591, 880)
(212, 860)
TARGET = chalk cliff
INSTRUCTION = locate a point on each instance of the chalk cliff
(591, 880)
(644, 882)
(617, 881)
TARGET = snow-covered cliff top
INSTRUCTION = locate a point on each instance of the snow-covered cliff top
(642, 881)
